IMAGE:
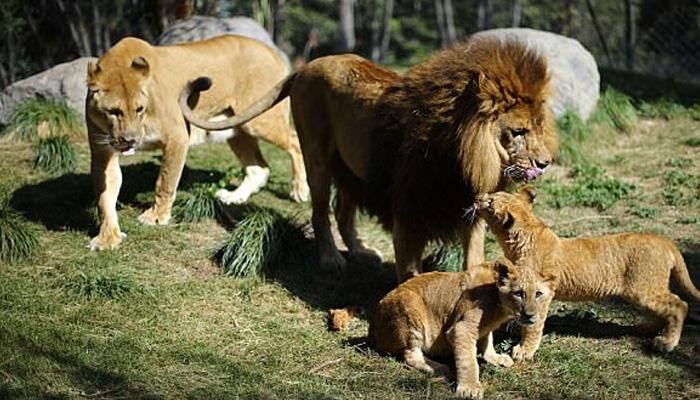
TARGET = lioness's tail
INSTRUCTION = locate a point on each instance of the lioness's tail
(269, 100)
(681, 275)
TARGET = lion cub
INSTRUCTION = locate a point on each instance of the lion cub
(443, 314)
(633, 266)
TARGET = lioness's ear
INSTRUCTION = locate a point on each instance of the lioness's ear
(505, 271)
(527, 193)
(140, 64)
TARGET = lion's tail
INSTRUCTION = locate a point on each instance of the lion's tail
(269, 100)
(681, 275)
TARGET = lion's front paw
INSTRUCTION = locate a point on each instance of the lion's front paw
(300, 192)
(153, 217)
(106, 242)
(499, 359)
(332, 261)
(469, 391)
(520, 354)
(664, 344)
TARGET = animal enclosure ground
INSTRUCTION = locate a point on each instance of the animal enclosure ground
(157, 319)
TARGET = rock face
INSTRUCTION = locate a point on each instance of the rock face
(62, 82)
(574, 72)
(200, 28)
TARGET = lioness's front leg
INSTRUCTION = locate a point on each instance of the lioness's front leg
(175, 154)
(463, 337)
(107, 180)
(531, 336)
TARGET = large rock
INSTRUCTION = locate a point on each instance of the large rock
(574, 72)
(200, 28)
(62, 82)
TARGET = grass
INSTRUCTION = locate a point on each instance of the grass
(573, 134)
(157, 318)
(197, 204)
(591, 187)
(616, 110)
(41, 118)
(19, 240)
(55, 155)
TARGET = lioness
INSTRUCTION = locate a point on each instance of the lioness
(132, 104)
(444, 314)
(413, 150)
(633, 266)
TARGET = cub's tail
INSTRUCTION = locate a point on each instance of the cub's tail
(269, 100)
(681, 275)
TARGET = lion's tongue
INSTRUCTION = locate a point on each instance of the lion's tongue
(129, 152)
(533, 173)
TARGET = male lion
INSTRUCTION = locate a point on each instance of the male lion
(132, 104)
(413, 150)
(445, 314)
(633, 266)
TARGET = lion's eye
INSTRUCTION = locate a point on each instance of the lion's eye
(538, 294)
(519, 294)
(115, 111)
(520, 132)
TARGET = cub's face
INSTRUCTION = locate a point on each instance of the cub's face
(522, 140)
(118, 102)
(523, 291)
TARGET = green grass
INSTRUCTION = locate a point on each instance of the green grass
(19, 240)
(616, 110)
(55, 155)
(197, 204)
(36, 118)
(591, 187)
(103, 285)
(573, 133)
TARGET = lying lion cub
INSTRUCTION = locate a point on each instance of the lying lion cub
(440, 314)
(633, 266)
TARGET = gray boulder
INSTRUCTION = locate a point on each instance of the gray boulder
(62, 82)
(574, 72)
(200, 28)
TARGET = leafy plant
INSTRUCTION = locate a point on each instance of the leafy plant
(41, 118)
(644, 212)
(55, 155)
(591, 188)
(257, 242)
(19, 240)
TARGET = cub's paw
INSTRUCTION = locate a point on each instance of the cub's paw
(469, 391)
(333, 262)
(300, 192)
(499, 359)
(664, 344)
(520, 354)
(153, 217)
(106, 242)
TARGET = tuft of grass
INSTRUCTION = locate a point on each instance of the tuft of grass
(680, 162)
(693, 142)
(591, 188)
(197, 204)
(19, 240)
(664, 108)
(103, 285)
(446, 257)
(257, 242)
(616, 110)
(573, 132)
(41, 118)
(645, 212)
(55, 155)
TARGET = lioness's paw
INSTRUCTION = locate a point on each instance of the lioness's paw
(501, 360)
(153, 217)
(664, 344)
(108, 242)
(300, 192)
(238, 196)
(469, 391)
(333, 261)
(519, 354)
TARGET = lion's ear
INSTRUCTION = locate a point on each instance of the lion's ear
(505, 271)
(93, 68)
(527, 193)
(489, 94)
(140, 64)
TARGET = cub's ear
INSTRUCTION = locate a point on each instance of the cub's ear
(140, 64)
(93, 68)
(527, 193)
(549, 277)
(505, 271)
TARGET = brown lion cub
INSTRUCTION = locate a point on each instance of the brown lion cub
(443, 314)
(633, 266)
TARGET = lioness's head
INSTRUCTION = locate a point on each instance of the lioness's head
(523, 290)
(118, 101)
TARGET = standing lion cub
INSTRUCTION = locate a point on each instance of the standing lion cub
(444, 314)
(633, 266)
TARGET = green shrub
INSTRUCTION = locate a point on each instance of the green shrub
(693, 142)
(41, 118)
(55, 155)
(257, 242)
(19, 240)
(616, 110)
(103, 285)
(591, 188)
(644, 212)
(573, 132)
(197, 204)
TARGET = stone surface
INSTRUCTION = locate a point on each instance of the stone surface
(62, 82)
(575, 77)
(200, 28)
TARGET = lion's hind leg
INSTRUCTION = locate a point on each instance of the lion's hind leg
(345, 216)
(672, 310)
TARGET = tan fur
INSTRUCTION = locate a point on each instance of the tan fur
(132, 102)
(413, 150)
(443, 314)
(633, 266)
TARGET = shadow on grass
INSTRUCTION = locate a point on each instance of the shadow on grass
(65, 203)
